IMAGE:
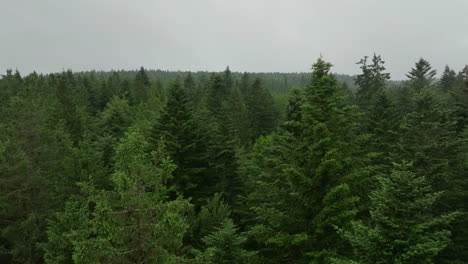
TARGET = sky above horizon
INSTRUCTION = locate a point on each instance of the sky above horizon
(248, 35)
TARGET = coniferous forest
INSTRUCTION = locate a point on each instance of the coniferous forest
(153, 166)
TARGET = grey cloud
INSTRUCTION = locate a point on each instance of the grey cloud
(248, 35)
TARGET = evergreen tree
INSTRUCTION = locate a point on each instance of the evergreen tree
(66, 109)
(327, 156)
(186, 145)
(372, 79)
(141, 85)
(223, 142)
(38, 168)
(225, 246)
(217, 94)
(448, 79)
(459, 98)
(116, 117)
(298, 187)
(422, 75)
(427, 137)
(238, 117)
(132, 223)
(379, 120)
(294, 112)
(211, 216)
(402, 227)
(275, 216)
(194, 90)
(261, 110)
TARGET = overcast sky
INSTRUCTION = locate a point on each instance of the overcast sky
(247, 35)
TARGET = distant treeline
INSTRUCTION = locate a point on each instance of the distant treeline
(277, 82)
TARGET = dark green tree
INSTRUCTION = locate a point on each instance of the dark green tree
(422, 75)
(211, 216)
(141, 85)
(299, 182)
(294, 112)
(225, 246)
(262, 112)
(448, 79)
(372, 79)
(39, 165)
(402, 227)
(132, 223)
(186, 144)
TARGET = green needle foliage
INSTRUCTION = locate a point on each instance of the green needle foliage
(153, 166)
(402, 227)
(132, 223)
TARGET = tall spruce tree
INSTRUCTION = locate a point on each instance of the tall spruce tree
(294, 112)
(298, 187)
(422, 75)
(402, 227)
(379, 120)
(185, 143)
(261, 109)
(225, 246)
(132, 223)
(141, 85)
(38, 169)
(448, 79)
(372, 79)
(327, 158)
(223, 143)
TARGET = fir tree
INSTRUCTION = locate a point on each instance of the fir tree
(185, 143)
(402, 227)
(448, 79)
(422, 75)
(141, 85)
(372, 79)
(261, 110)
(132, 223)
(225, 246)
(294, 112)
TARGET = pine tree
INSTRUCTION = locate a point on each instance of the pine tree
(132, 223)
(186, 144)
(237, 116)
(297, 182)
(372, 79)
(116, 117)
(427, 137)
(422, 75)
(459, 98)
(66, 109)
(275, 215)
(223, 142)
(194, 90)
(38, 169)
(448, 79)
(294, 112)
(261, 110)
(402, 227)
(327, 153)
(141, 85)
(217, 94)
(211, 216)
(379, 119)
(225, 246)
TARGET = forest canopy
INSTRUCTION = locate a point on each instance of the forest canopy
(152, 166)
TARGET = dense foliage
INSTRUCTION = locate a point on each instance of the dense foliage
(176, 167)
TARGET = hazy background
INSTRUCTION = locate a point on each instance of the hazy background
(247, 35)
